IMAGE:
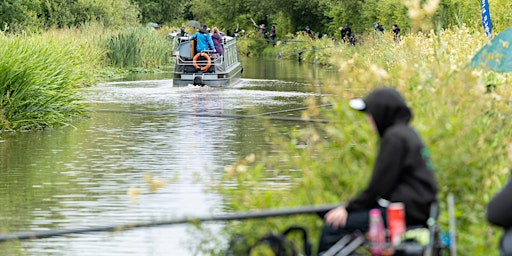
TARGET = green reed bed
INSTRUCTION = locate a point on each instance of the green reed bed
(139, 48)
(466, 128)
(40, 78)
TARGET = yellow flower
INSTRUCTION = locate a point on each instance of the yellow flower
(156, 184)
(250, 158)
(133, 192)
(153, 183)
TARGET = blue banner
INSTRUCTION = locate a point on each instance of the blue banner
(486, 18)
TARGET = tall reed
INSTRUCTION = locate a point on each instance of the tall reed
(124, 50)
(40, 78)
(139, 47)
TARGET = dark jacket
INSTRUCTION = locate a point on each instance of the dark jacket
(273, 32)
(396, 31)
(500, 207)
(346, 32)
(498, 213)
(217, 42)
(402, 171)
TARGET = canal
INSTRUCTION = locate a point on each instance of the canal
(145, 153)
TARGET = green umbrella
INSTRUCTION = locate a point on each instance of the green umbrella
(496, 55)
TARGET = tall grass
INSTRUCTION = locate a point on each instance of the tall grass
(41, 73)
(40, 78)
(465, 126)
(139, 47)
(124, 50)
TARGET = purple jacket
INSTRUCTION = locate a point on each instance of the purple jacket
(217, 42)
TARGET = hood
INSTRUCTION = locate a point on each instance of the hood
(387, 108)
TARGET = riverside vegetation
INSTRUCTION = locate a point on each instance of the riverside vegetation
(41, 74)
(462, 114)
(464, 121)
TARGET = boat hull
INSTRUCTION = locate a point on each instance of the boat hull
(228, 78)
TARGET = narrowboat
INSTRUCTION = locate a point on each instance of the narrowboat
(206, 67)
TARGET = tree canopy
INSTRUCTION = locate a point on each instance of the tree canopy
(324, 16)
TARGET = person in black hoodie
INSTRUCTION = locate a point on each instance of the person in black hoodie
(378, 27)
(396, 32)
(498, 213)
(402, 171)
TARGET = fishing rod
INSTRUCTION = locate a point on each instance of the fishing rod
(293, 109)
(123, 227)
(451, 225)
(211, 115)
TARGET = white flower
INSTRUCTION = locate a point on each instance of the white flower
(431, 6)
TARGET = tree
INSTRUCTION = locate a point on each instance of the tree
(161, 11)
(74, 13)
(17, 14)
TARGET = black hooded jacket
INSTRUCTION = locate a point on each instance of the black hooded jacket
(500, 207)
(402, 171)
(498, 213)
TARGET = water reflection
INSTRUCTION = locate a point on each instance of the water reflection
(299, 73)
(80, 176)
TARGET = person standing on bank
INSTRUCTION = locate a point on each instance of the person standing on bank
(498, 213)
(378, 27)
(345, 32)
(263, 31)
(309, 32)
(396, 32)
(402, 171)
(204, 40)
(217, 41)
(273, 35)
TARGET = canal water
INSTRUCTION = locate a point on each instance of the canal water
(145, 153)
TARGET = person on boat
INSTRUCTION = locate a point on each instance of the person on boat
(402, 171)
(498, 213)
(204, 40)
(182, 31)
(217, 41)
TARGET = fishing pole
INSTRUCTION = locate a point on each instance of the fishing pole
(451, 224)
(123, 227)
(293, 109)
(211, 115)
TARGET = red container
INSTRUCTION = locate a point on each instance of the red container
(396, 222)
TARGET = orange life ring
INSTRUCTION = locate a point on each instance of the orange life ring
(208, 63)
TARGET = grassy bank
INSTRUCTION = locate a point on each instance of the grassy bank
(466, 128)
(41, 74)
(40, 78)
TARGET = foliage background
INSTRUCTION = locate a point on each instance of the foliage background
(464, 125)
(324, 16)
